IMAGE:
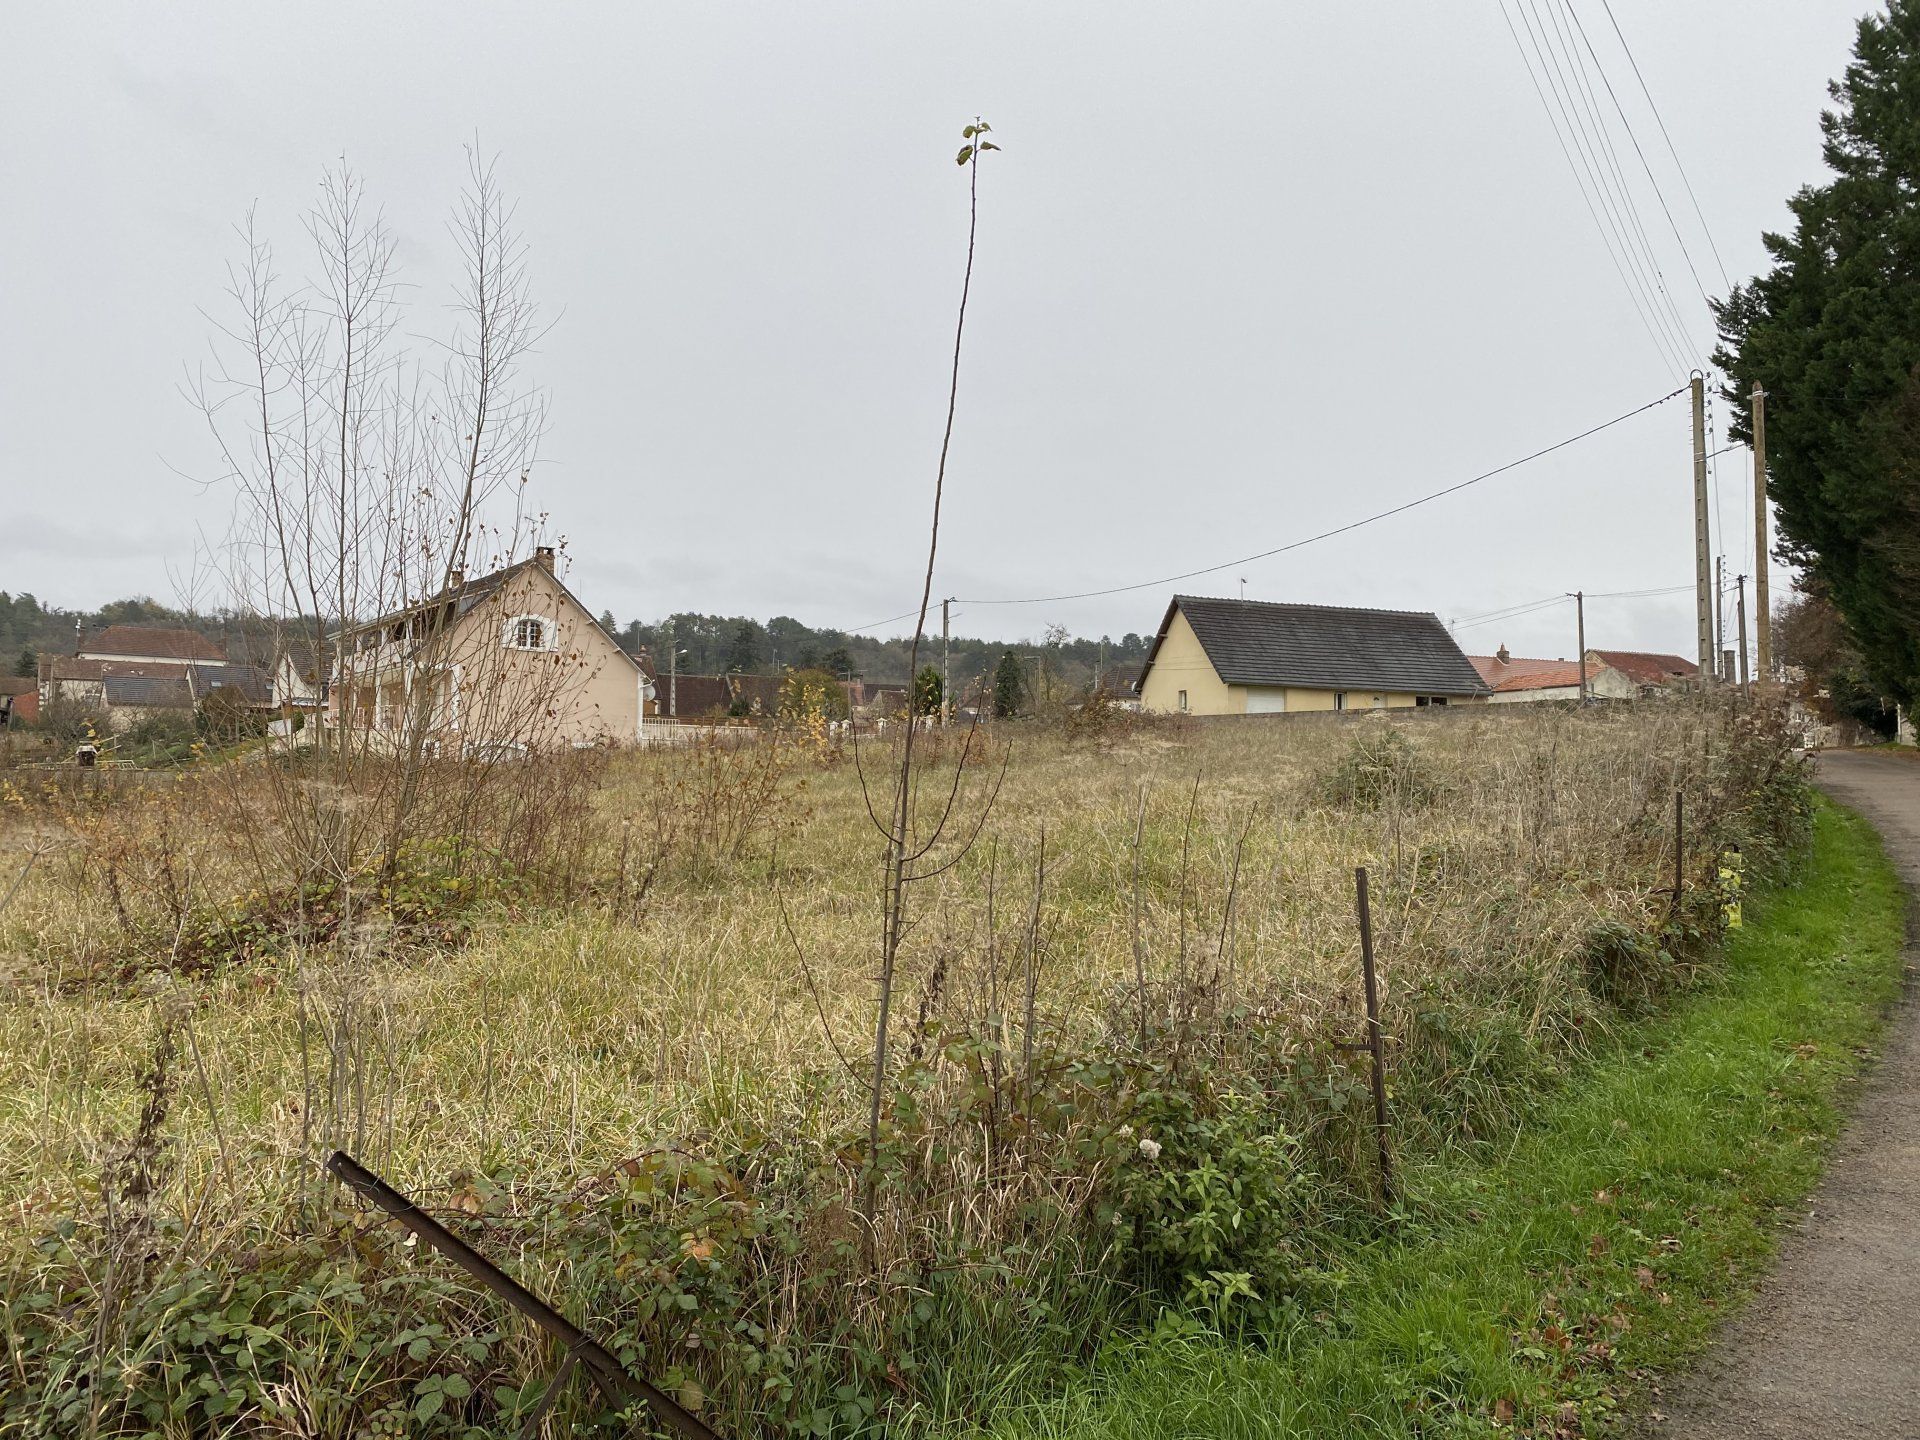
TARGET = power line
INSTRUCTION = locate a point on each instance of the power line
(1627, 125)
(1698, 215)
(1603, 138)
(1510, 610)
(1593, 58)
(1474, 624)
(876, 624)
(1339, 529)
(1618, 207)
(1579, 181)
(1590, 136)
(1494, 617)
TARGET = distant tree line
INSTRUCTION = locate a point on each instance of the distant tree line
(1055, 664)
(738, 644)
(29, 629)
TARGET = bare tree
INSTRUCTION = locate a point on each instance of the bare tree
(383, 547)
(904, 849)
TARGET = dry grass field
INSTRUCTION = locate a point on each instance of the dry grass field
(632, 1055)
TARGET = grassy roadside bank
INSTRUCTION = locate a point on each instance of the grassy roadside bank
(1539, 1294)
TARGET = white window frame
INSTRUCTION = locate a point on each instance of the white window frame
(549, 634)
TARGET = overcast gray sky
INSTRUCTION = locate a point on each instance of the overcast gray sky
(1246, 272)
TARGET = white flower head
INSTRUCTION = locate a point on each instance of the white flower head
(1149, 1148)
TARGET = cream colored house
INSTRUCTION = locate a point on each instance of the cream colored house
(510, 662)
(1252, 657)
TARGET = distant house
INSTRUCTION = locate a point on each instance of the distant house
(1119, 685)
(19, 700)
(139, 643)
(1648, 674)
(1611, 675)
(127, 673)
(511, 661)
(1250, 657)
(1515, 679)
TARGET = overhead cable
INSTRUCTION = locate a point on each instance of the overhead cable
(1338, 529)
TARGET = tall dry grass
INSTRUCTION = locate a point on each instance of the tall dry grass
(651, 1024)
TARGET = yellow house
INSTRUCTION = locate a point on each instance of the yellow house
(1254, 657)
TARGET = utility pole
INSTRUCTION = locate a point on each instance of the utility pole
(673, 673)
(1762, 619)
(1580, 622)
(946, 662)
(1740, 609)
(1702, 552)
(1719, 611)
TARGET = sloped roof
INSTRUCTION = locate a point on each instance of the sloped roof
(1324, 647)
(160, 691)
(152, 641)
(1645, 668)
(693, 694)
(1518, 673)
(469, 593)
(74, 667)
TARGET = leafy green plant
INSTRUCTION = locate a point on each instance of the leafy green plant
(1380, 765)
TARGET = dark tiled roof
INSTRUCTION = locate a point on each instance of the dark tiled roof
(692, 695)
(1325, 647)
(160, 691)
(18, 685)
(152, 641)
(72, 667)
(252, 685)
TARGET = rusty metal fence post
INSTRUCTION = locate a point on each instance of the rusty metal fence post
(608, 1373)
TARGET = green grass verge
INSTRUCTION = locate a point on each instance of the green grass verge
(1538, 1293)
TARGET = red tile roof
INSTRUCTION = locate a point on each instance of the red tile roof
(1647, 669)
(151, 642)
(1517, 673)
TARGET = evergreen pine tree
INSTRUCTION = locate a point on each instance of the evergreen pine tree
(1009, 685)
(1832, 335)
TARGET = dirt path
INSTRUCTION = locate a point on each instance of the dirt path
(1831, 1344)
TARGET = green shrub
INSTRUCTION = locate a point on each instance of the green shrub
(1380, 765)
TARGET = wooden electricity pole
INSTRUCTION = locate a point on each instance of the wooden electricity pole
(946, 661)
(1580, 629)
(1720, 616)
(1740, 609)
(1702, 550)
(1762, 619)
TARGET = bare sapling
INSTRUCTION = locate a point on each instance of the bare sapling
(904, 848)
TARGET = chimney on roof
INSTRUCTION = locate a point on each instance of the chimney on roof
(1501, 655)
(543, 557)
(456, 577)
